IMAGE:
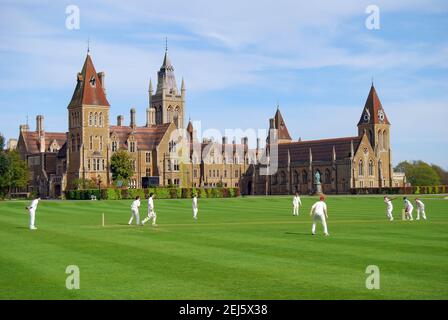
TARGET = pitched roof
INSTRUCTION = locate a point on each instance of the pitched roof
(33, 144)
(88, 89)
(322, 150)
(370, 114)
(147, 138)
(280, 125)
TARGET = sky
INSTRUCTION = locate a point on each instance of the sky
(239, 59)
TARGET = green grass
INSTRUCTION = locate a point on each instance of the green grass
(244, 248)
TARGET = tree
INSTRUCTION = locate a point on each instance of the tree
(441, 173)
(2, 142)
(121, 166)
(13, 172)
(419, 173)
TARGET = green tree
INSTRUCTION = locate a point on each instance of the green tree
(13, 172)
(419, 173)
(121, 166)
(2, 142)
(441, 173)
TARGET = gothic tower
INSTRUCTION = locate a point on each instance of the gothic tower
(168, 103)
(88, 120)
(374, 122)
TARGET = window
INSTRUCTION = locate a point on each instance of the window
(360, 168)
(385, 144)
(88, 164)
(148, 172)
(100, 120)
(172, 146)
(327, 176)
(148, 157)
(296, 177)
(304, 177)
(114, 146)
(73, 143)
(91, 142)
(79, 142)
(176, 165)
(95, 119)
(236, 173)
(90, 119)
(98, 164)
(101, 143)
(132, 146)
(225, 173)
(104, 164)
(214, 172)
(282, 178)
(370, 168)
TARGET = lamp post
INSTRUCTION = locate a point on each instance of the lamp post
(99, 187)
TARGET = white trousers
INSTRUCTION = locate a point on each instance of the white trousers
(321, 218)
(151, 215)
(32, 218)
(389, 214)
(295, 211)
(409, 214)
(421, 211)
(135, 214)
(195, 213)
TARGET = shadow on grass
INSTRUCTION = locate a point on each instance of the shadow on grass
(299, 233)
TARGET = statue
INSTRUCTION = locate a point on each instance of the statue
(317, 178)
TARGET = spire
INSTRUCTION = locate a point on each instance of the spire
(373, 112)
(280, 125)
(89, 90)
(150, 86)
(182, 87)
(88, 45)
(166, 78)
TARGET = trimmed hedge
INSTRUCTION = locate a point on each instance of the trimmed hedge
(160, 192)
(402, 190)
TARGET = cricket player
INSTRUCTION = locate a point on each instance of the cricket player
(408, 208)
(420, 209)
(195, 207)
(319, 212)
(134, 211)
(32, 211)
(389, 208)
(151, 213)
(296, 203)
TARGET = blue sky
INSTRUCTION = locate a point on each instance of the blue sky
(238, 59)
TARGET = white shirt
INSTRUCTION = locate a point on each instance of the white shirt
(388, 202)
(420, 204)
(135, 205)
(195, 203)
(34, 204)
(296, 201)
(408, 205)
(150, 204)
(319, 208)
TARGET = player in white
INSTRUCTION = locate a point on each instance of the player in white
(408, 208)
(319, 212)
(32, 211)
(134, 211)
(389, 208)
(296, 203)
(151, 213)
(420, 209)
(195, 206)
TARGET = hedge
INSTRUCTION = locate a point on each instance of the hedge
(402, 190)
(160, 193)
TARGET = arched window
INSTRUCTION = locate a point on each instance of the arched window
(90, 119)
(327, 176)
(169, 115)
(114, 146)
(100, 124)
(304, 177)
(282, 177)
(296, 177)
(380, 140)
(361, 168)
(385, 140)
(95, 121)
(370, 167)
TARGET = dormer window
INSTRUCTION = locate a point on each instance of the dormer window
(92, 81)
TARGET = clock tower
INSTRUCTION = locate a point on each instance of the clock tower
(375, 124)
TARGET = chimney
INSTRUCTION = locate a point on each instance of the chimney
(150, 116)
(101, 76)
(40, 124)
(120, 120)
(271, 123)
(244, 141)
(132, 124)
(258, 143)
(224, 140)
(24, 128)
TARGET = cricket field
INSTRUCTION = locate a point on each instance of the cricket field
(241, 248)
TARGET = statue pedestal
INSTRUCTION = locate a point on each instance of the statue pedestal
(318, 189)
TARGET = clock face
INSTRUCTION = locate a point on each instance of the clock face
(366, 117)
(381, 115)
